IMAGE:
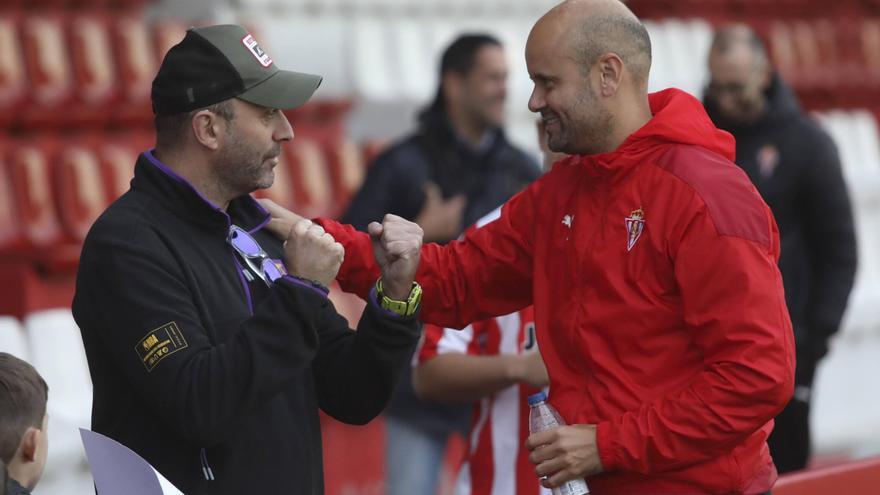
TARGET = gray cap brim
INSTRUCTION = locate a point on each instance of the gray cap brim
(285, 89)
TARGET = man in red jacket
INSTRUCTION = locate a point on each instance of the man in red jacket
(651, 263)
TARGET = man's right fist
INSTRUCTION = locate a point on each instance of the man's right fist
(397, 245)
(311, 253)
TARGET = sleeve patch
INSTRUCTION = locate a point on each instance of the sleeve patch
(159, 344)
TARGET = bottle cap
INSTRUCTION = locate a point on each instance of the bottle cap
(537, 398)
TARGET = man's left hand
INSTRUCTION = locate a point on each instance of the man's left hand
(564, 453)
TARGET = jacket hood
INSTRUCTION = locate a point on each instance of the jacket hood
(678, 118)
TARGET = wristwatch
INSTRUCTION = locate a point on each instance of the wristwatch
(402, 308)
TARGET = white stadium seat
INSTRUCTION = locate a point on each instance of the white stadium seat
(57, 353)
(12, 338)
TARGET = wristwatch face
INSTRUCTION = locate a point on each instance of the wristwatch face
(403, 308)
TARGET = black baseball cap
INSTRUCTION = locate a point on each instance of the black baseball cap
(215, 63)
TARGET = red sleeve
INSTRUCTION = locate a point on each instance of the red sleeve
(487, 273)
(734, 308)
(428, 349)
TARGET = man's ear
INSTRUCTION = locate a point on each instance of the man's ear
(30, 442)
(610, 68)
(207, 128)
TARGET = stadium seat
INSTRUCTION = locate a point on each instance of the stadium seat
(313, 44)
(50, 77)
(167, 34)
(80, 192)
(117, 158)
(347, 170)
(57, 353)
(662, 75)
(375, 77)
(845, 402)
(12, 74)
(94, 68)
(870, 44)
(29, 173)
(416, 65)
(782, 51)
(12, 338)
(136, 65)
(11, 238)
(311, 182)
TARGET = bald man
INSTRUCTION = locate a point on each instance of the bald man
(795, 166)
(651, 263)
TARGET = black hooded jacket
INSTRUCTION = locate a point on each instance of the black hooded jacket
(795, 166)
(396, 180)
(207, 372)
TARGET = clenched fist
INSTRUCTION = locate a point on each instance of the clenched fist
(397, 245)
(311, 253)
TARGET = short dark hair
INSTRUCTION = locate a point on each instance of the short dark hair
(731, 35)
(171, 129)
(459, 58)
(23, 395)
(624, 35)
(460, 55)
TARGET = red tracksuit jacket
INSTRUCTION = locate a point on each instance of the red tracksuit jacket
(659, 306)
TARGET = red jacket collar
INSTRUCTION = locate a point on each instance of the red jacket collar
(679, 118)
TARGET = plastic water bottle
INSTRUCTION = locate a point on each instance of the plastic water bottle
(543, 417)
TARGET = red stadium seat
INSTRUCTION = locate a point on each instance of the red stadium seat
(28, 168)
(782, 50)
(11, 238)
(116, 160)
(347, 170)
(93, 67)
(50, 78)
(136, 64)
(167, 34)
(311, 182)
(870, 45)
(12, 73)
(80, 192)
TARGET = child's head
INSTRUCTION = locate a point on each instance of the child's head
(23, 439)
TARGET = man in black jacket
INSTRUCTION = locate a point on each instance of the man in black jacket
(456, 168)
(211, 343)
(794, 165)
(458, 157)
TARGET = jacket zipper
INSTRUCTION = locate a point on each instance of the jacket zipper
(206, 468)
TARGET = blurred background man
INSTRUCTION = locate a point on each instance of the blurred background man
(795, 166)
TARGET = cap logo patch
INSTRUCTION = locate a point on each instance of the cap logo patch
(251, 44)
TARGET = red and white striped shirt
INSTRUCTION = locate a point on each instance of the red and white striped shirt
(497, 463)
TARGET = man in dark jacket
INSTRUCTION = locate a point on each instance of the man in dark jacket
(212, 344)
(795, 166)
(457, 167)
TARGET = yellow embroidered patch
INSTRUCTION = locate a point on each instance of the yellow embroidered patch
(159, 344)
